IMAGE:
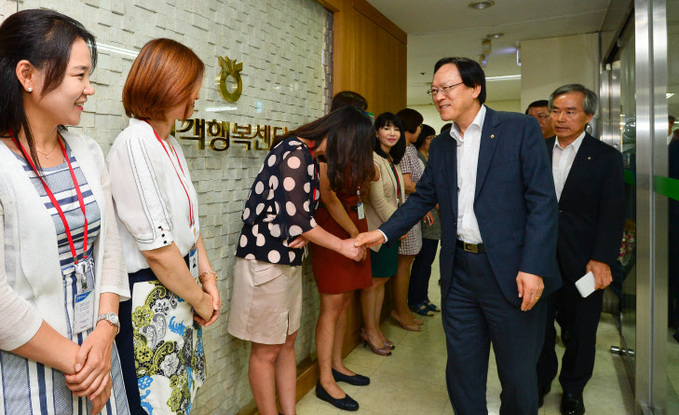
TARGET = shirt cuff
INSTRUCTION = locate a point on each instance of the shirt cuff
(383, 234)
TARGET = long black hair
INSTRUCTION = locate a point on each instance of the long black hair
(44, 38)
(399, 149)
(348, 149)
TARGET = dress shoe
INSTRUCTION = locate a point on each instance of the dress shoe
(380, 350)
(572, 404)
(345, 404)
(356, 380)
(542, 391)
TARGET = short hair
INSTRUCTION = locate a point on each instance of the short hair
(426, 131)
(163, 75)
(590, 103)
(45, 39)
(410, 118)
(399, 149)
(671, 118)
(470, 71)
(346, 98)
(538, 103)
(446, 127)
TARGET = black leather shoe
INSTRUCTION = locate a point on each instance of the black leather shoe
(356, 380)
(572, 404)
(345, 404)
(542, 391)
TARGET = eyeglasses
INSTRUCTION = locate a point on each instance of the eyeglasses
(444, 90)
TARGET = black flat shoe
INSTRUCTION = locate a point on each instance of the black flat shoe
(345, 404)
(356, 380)
(572, 404)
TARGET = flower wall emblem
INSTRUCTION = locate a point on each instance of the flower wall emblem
(231, 69)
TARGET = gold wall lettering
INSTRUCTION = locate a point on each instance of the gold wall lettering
(224, 133)
(230, 69)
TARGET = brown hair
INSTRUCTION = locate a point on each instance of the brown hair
(162, 76)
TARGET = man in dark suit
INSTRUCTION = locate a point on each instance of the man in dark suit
(491, 176)
(540, 111)
(588, 177)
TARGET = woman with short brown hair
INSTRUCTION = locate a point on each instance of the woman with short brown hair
(160, 343)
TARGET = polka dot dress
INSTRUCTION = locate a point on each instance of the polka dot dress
(281, 205)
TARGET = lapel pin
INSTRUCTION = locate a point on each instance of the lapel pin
(492, 136)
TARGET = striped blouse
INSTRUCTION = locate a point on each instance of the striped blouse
(29, 387)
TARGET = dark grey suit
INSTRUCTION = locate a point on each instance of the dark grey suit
(516, 209)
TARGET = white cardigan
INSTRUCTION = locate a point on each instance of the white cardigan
(31, 282)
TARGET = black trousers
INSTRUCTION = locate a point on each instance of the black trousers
(579, 317)
(421, 272)
(475, 315)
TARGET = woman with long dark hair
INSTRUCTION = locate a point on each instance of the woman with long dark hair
(170, 275)
(61, 269)
(386, 195)
(278, 222)
(341, 213)
(412, 243)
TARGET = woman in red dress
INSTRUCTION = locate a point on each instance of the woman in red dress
(340, 213)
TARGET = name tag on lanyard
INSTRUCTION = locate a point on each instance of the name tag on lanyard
(359, 206)
(193, 262)
(84, 299)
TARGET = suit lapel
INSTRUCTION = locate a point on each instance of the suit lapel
(449, 153)
(580, 167)
(490, 134)
(550, 148)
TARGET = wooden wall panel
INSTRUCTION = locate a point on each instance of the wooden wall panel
(370, 56)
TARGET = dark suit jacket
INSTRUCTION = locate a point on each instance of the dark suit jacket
(591, 208)
(515, 203)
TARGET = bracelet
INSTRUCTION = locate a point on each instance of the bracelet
(205, 274)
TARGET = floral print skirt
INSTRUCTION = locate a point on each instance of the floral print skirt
(167, 349)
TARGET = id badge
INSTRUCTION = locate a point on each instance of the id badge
(193, 262)
(84, 299)
(361, 212)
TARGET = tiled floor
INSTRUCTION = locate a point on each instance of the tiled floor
(411, 380)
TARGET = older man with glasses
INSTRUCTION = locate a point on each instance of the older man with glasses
(492, 179)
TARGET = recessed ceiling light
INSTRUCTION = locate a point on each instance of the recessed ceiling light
(495, 35)
(480, 5)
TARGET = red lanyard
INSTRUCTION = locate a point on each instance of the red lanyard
(54, 201)
(191, 217)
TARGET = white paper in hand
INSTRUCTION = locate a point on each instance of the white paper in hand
(586, 284)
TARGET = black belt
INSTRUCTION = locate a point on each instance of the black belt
(473, 248)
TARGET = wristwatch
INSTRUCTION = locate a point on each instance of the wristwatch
(112, 318)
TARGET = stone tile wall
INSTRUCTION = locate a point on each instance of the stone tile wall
(283, 45)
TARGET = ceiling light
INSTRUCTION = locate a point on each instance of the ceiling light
(483, 60)
(495, 35)
(480, 5)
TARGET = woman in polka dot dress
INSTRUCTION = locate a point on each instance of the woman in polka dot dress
(278, 222)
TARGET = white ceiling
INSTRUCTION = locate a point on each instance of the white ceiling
(439, 28)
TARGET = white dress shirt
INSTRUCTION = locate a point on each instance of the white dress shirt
(467, 165)
(148, 188)
(562, 161)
